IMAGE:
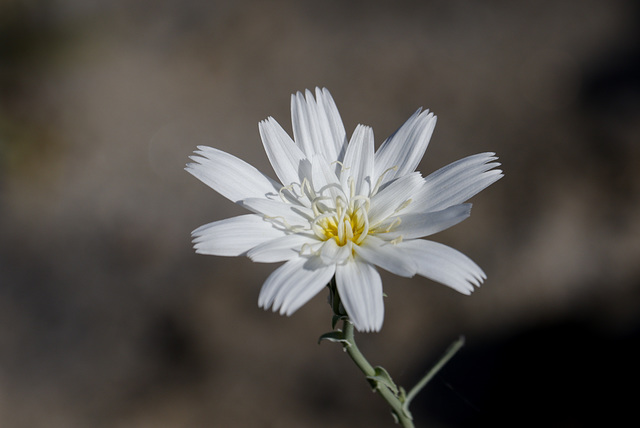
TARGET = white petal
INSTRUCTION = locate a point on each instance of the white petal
(233, 178)
(388, 200)
(317, 124)
(358, 161)
(457, 182)
(279, 211)
(325, 181)
(360, 289)
(293, 284)
(404, 149)
(444, 264)
(233, 236)
(332, 253)
(386, 255)
(339, 136)
(424, 224)
(280, 249)
(301, 292)
(285, 156)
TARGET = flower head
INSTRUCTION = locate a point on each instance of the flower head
(342, 209)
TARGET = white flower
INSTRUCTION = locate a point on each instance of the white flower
(342, 209)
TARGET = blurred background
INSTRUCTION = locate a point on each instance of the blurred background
(109, 319)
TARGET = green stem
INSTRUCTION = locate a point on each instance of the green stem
(390, 397)
(450, 352)
(378, 376)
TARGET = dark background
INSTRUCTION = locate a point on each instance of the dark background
(109, 319)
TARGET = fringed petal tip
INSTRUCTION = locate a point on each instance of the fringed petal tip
(292, 285)
(233, 236)
(444, 264)
(360, 288)
(488, 159)
(317, 126)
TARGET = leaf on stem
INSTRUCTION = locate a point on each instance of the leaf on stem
(334, 336)
(383, 377)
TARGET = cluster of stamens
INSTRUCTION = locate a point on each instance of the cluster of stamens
(336, 215)
(348, 221)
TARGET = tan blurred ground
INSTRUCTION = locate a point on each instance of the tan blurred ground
(108, 318)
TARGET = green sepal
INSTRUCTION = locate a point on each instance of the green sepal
(336, 318)
(382, 377)
(334, 336)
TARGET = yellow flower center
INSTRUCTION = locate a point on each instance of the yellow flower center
(346, 222)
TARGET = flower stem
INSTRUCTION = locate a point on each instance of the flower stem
(450, 352)
(390, 397)
(378, 377)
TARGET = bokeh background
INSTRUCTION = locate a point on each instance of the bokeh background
(109, 319)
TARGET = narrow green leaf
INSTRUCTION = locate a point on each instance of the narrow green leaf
(334, 336)
(402, 394)
(383, 377)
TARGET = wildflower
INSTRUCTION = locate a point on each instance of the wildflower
(342, 209)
